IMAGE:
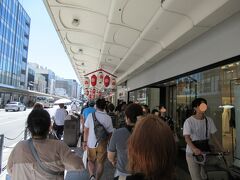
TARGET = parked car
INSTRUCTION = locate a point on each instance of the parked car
(15, 106)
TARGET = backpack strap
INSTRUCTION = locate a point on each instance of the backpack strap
(97, 123)
(206, 127)
(39, 162)
(94, 118)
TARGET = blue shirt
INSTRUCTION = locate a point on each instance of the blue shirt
(87, 111)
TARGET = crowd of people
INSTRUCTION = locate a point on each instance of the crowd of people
(140, 144)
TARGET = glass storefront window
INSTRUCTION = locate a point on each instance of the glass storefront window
(221, 88)
(139, 96)
(214, 86)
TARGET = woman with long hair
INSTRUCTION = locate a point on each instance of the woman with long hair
(151, 150)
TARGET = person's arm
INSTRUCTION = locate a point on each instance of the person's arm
(82, 123)
(112, 150)
(10, 163)
(85, 137)
(70, 159)
(112, 158)
(195, 150)
(217, 143)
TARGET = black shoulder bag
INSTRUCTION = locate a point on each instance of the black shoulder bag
(99, 130)
(203, 145)
(39, 162)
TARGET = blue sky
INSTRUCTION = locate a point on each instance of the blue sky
(45, 47)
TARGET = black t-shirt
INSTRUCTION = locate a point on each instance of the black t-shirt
(114, 118)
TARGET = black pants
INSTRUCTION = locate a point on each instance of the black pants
(59, 131)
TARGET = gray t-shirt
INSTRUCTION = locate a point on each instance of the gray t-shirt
(118, 144)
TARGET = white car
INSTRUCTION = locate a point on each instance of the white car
(15, 106)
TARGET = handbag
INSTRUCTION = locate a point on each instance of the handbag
(84, 159)
(203, 145)
(39, 162)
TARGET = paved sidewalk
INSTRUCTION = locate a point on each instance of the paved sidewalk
(108, 174)
(74, 175)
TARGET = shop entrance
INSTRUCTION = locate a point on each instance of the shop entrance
(234, 121)
(186, 93)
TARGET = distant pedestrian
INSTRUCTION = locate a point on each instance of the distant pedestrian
(155, 112)
(59, 118)
(165, 117)
(74, 106)
(146, 109)
(88, 110)
(112, 114)
(38, 105)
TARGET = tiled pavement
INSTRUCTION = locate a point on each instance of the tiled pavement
(181, 172)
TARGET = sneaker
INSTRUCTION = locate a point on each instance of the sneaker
(92, 177)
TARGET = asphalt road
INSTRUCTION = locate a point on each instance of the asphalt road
(12, 125)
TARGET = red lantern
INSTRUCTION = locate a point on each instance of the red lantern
(100, 78)
(86, 82)
(93, 80)
(113, 83)
(106, 81)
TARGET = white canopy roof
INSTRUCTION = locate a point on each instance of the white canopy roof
(125, 37)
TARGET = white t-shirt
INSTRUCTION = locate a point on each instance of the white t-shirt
(197, 129)
(104, 119)
(60, 115)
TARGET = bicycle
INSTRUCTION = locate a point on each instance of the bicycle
(214, 165)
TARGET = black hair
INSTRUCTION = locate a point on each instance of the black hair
(146, 107)
(133, 111)
(38, 123)
(101, 104)
(111, 107)
(196, 102)
(162, 106)
(154, 111)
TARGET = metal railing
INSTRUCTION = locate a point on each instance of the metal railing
(2, 137)
(1, 151)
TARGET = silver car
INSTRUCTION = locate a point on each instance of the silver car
(15, 106)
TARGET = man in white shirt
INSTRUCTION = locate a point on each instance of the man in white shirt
(59, 118)
(97, 151)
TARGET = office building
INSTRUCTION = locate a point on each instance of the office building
(30, 78)
(48, 74)
(14, 38)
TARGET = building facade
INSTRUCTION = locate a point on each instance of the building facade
(47, 74)
(30, 78)
(64, 84)
(208, 67)
(40, 83)
(14, 39)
